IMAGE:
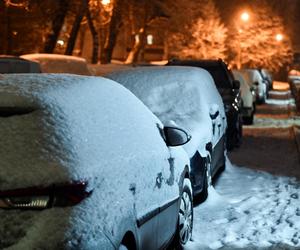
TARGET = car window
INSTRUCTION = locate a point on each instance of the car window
(219, 76)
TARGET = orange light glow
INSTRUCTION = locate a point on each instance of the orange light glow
(245, 16)
(105, 2)
(279, 37)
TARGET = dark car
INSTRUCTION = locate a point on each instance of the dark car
(229, 90)
(14, 64)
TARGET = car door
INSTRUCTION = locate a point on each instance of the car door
(154, 195)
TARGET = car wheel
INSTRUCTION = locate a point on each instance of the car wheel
(249, 119)
(207, 180)
(185, 217)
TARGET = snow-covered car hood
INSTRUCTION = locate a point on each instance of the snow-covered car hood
(182, 94)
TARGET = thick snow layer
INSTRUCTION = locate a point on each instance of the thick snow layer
(55, 63)
(83, 128)
(249, 210)
(182, 94)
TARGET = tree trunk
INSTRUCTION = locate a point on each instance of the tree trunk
(111, 38)
(95, 37)
(75, 28)
(57, 23)
(139, 37)
(138, 44)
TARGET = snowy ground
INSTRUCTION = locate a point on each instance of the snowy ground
(249, 208)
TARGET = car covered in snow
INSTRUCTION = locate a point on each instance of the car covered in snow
(229, 90)
(188, 97)
(15, 64)
(56, 63)
(248, 98)
(256, 81)
(86, 165)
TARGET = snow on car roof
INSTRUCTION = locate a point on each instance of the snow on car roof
(178, 93)
(77, 125)
(55, 63)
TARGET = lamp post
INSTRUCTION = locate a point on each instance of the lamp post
(244, 18)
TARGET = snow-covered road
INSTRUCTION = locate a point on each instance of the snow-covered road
(248, 208)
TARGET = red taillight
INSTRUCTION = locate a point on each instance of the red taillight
(44, 197)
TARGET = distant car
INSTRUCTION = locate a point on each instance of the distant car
(55, 63)
(255, 80)
(85, 165)
(267, 76)
(248, 98)
(188, 97)
(229, 90)
(14, 64)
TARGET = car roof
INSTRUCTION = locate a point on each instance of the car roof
(57, 63)
(202, 62)
(180, 93)
(13, 64)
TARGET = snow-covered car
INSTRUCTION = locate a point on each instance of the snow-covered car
(267, 76)
(86, 165)
(188, 97)
(229, 90)
(14, 64)
(55, 63)
(255, 80)
(248, 98)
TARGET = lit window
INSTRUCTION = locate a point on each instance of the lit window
(149, 39)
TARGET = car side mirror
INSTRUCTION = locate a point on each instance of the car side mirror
(236, 84)
(176, 136)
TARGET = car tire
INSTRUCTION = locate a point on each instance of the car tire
(185, 217)
(201, 197)
(249, 119)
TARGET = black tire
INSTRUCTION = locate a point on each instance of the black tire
(249, 119)
(185, 218)
(201, 197)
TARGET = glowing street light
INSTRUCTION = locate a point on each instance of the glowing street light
(105, 2)
(279, 37)
(245, 16)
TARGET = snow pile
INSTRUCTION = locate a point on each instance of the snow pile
(182, 94)
(81, 128)
(249, 210)
(55, 63)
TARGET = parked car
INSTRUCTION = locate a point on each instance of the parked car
(267, 76)
(248, 98)
(55, 63)
(229, 90)
(14, 64)
(85, 165)
(255, 80)
(188, 97)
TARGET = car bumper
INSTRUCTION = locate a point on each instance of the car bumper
(56, 228)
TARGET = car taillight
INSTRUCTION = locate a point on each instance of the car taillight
(45, 197)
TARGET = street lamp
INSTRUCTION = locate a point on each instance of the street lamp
(279, 37)
(245, 18)
(105, 2)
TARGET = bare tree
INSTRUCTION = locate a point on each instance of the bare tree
(56, 25)
(201, 37)
(75, 27)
